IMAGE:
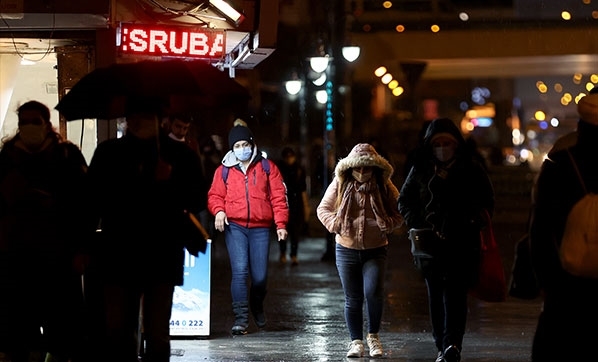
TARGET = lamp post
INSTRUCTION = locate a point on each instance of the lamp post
(323, 68)
(296, 91)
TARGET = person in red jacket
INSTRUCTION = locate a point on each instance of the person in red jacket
(245, 206)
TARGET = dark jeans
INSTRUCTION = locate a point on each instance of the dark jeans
(362, 277)
(40, 290)
(120, 322)
(249, 251)
(294, 229)
(447, 298)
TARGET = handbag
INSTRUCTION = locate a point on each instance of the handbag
(424, 245)
(491, 285)
(424, 242)
(523, 283)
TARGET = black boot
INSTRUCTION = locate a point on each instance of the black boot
(257, 309)
(241, 312)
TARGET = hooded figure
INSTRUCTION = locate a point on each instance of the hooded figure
(569, 302)
(448, 191)
(359, 206)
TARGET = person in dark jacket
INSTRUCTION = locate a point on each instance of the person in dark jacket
(245, 207)
(295, 180)
(566, 328)
(42, 183)
(447, 191)
(142, 185)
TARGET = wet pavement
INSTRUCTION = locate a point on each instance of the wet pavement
(304, 305)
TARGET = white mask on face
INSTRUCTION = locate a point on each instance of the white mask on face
(243, 154)
(361, 176)
(33, 135)
(174, 137)
(444, 153)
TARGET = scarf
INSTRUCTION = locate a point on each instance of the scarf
(371, 190)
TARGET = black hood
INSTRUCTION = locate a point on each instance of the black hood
(443, 125)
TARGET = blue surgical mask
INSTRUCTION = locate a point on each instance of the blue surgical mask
(243, 154)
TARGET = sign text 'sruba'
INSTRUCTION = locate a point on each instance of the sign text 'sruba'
(144, 39)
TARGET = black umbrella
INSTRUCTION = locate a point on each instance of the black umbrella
(182, 85)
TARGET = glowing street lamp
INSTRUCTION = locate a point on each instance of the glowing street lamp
(351, 52)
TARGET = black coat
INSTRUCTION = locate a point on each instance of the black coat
(140, 195)
(449, 199)
(557, 190)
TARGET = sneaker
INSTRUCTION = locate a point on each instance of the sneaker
(294, 260)
(355, 349)
(440, 357)
(283, 259)
(452, 354)
(374, 345)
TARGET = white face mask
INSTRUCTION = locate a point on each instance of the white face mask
(243, 154)
(174, 137)
(444, 153)
(361, 176)
(33, 135)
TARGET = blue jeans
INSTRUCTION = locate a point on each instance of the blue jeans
(249, 251)
(362, 277)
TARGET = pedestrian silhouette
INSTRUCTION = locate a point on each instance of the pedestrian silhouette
(359, 207)
(42, 183)
(142, 184)
(447, 192)
(568, 312)
(295, 180)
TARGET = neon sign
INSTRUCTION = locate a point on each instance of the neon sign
(160, 40)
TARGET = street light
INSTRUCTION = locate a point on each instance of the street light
(293, 87)
(351, 53)
(319, 64)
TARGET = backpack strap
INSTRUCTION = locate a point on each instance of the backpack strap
(583, 184)
(225, 170)
(265, 166)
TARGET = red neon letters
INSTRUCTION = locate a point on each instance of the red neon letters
(160, 40)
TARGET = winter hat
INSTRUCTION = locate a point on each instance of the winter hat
(587, 107)
(363, 155)
(240, 132)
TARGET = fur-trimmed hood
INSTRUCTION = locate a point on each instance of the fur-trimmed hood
(363, 155)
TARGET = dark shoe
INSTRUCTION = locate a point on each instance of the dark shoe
(241, 312)
(260, 319)
(294, 261)
(452, 354)
(440, 357)
(238, 330)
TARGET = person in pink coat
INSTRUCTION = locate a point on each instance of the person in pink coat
(360, 208)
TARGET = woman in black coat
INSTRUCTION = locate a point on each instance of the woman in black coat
(566, 327)
(447, 191)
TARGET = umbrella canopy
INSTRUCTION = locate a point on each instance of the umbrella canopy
(183, 85)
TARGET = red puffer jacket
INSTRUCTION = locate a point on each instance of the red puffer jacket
(251, 199)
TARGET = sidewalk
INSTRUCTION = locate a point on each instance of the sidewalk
(304, 308)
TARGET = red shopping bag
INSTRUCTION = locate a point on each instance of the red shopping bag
(491, 285)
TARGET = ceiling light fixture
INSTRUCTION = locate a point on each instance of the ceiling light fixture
(228, 11)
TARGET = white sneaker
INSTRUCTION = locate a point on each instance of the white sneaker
(355, 348)
(374, 345)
